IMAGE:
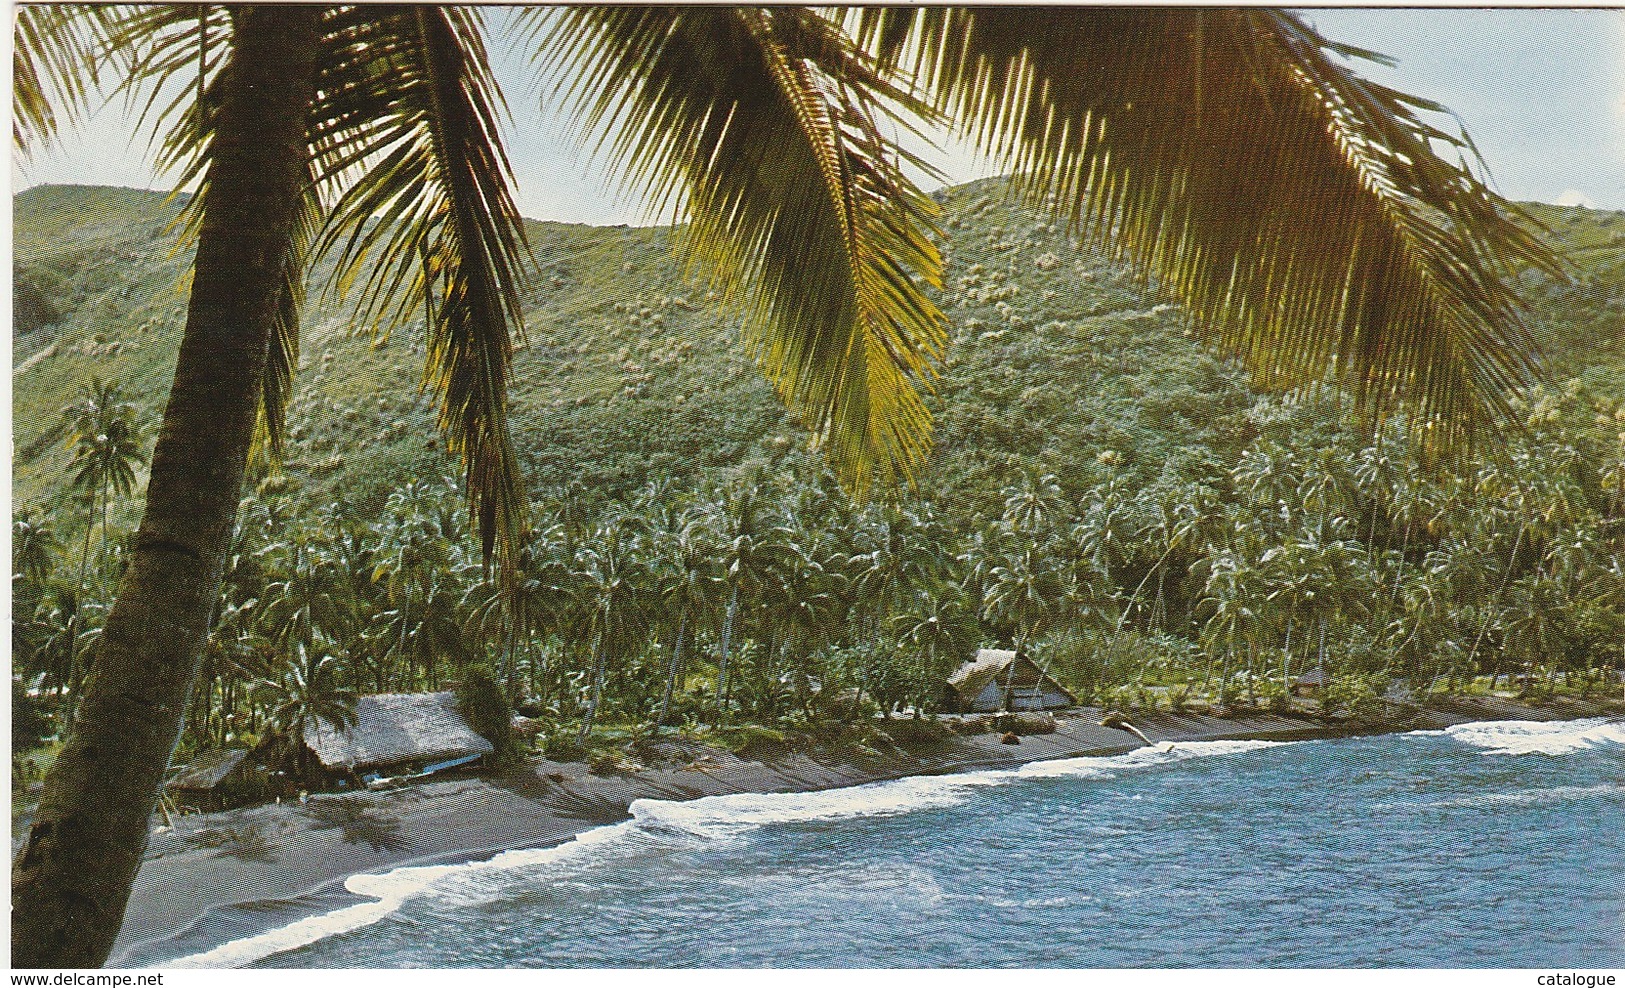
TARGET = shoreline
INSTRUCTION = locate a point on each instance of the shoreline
(220, 877)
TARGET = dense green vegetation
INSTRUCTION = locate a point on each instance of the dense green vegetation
(1105, 492)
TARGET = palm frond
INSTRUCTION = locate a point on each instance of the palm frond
(406, 125)
(772, 134)
(282, 357)
(57, 53)
(1302, 213)
(174, 54)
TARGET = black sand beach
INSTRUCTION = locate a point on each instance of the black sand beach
(218, 877)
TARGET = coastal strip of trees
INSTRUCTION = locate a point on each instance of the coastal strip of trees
(774, 599)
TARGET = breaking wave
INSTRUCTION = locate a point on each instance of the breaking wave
(1529, 737)
(710, 818)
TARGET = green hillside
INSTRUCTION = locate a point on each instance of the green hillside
(630, 372)
(627, 371)
(1105, 492)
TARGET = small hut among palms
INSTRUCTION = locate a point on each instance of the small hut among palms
(215, 780)
(983, 684)
(1311, 683)
(397, 734)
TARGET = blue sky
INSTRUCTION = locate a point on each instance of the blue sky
(1541, 91)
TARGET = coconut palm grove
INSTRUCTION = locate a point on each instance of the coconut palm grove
(1240, 377)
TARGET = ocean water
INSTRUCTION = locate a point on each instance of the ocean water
(1485, 845)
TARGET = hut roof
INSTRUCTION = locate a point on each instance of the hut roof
(971, 678)
(396, 727)
(1314, 677)
(209, 769)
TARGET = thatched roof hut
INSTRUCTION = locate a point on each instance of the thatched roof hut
(1312, 681)
(209, 780)
(981, 685)
(209, 769)
(393, 729)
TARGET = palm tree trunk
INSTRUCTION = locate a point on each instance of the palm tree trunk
(672, 667)
(1496, 606)
(597, 689)
(411, 661)
(1286, 657)
(1252, 680)
(801, 657)
(1404, 547)
(102, 560)
(1321, 655)
(509, 656)
(1010, 674)
(84, 557)
(863, 684)
(72, 879)
(727, 639)
(920, 689)
(72, 682)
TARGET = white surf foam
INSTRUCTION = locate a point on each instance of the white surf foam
(1535, 797)
(389, 891)
(1530, 737)
(706, 819)
(719, 817)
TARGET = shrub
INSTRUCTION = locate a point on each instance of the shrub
(1029, 723)
(1275, 696)
(605, 763)
(561, 746)
(480, 701)
(750, 741)
(845, 705)
(915, 732)
(1358, 695)
(1128, 697)
(29, 725)
(1179, 697)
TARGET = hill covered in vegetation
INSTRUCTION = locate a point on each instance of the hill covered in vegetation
(1104, 491)
(629, 372)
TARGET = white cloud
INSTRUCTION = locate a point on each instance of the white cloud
(1574, 197)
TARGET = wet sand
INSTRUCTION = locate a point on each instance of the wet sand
(221, 876)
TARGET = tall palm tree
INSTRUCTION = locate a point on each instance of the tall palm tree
(72, 879)
(309, 693)
(1027, 590)
(902, 558)
(936, 625)
(33, 546)
(1300, 211)
(803, 601)
(305, 611)
(106, 450)
(748, 552)
(1035, 505)
(613, 602)
(689, 579)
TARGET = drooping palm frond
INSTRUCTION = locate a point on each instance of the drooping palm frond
(405, 127)
(57, 53)
(407, 170)
(282, 356)
(772, 134)
(1301, 212)
(174, 53)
